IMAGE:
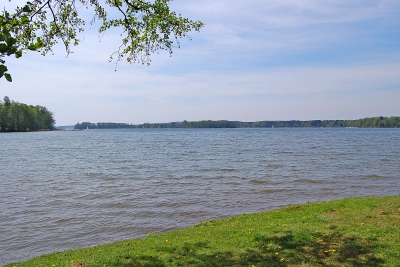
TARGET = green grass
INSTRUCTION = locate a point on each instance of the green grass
(348, 232)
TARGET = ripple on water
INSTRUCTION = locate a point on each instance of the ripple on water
(64, 190)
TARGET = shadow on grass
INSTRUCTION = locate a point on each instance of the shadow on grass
(287, 248)
(322, 249)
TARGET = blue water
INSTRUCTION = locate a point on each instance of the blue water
(68, 189)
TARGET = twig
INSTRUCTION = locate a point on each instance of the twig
(58, 29)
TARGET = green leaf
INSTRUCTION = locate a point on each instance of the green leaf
(3, 48)
(6, 33)
(10, 41)
(15, 22)
(3, 69)
(26, 8)
(18, 54)
(24, 19)
(8, 77)
(11, 50)
(32, 47)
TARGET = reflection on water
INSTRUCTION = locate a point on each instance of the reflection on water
(62, 190)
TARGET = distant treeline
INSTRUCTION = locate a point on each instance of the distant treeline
(375, 122)
(19, 117)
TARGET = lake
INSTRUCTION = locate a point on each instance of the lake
(69, 189)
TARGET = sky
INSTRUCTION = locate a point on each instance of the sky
(254, 60)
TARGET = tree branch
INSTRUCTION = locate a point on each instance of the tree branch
(58, 29)
(125, 18)
(37, 11)
(136, 8)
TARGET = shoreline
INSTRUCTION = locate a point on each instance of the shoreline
(348, 222)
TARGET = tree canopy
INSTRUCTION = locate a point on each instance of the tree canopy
(19, 117)
(9, 28)
(146, 27)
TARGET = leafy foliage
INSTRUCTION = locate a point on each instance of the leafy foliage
(11, 26)
(8, 44)
(146, 27)
(19, 117)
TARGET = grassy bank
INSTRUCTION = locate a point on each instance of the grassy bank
(348, 232)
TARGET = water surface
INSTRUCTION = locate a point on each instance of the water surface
(69, 189)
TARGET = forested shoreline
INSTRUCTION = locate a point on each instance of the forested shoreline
(20, 117)
(374, 122)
